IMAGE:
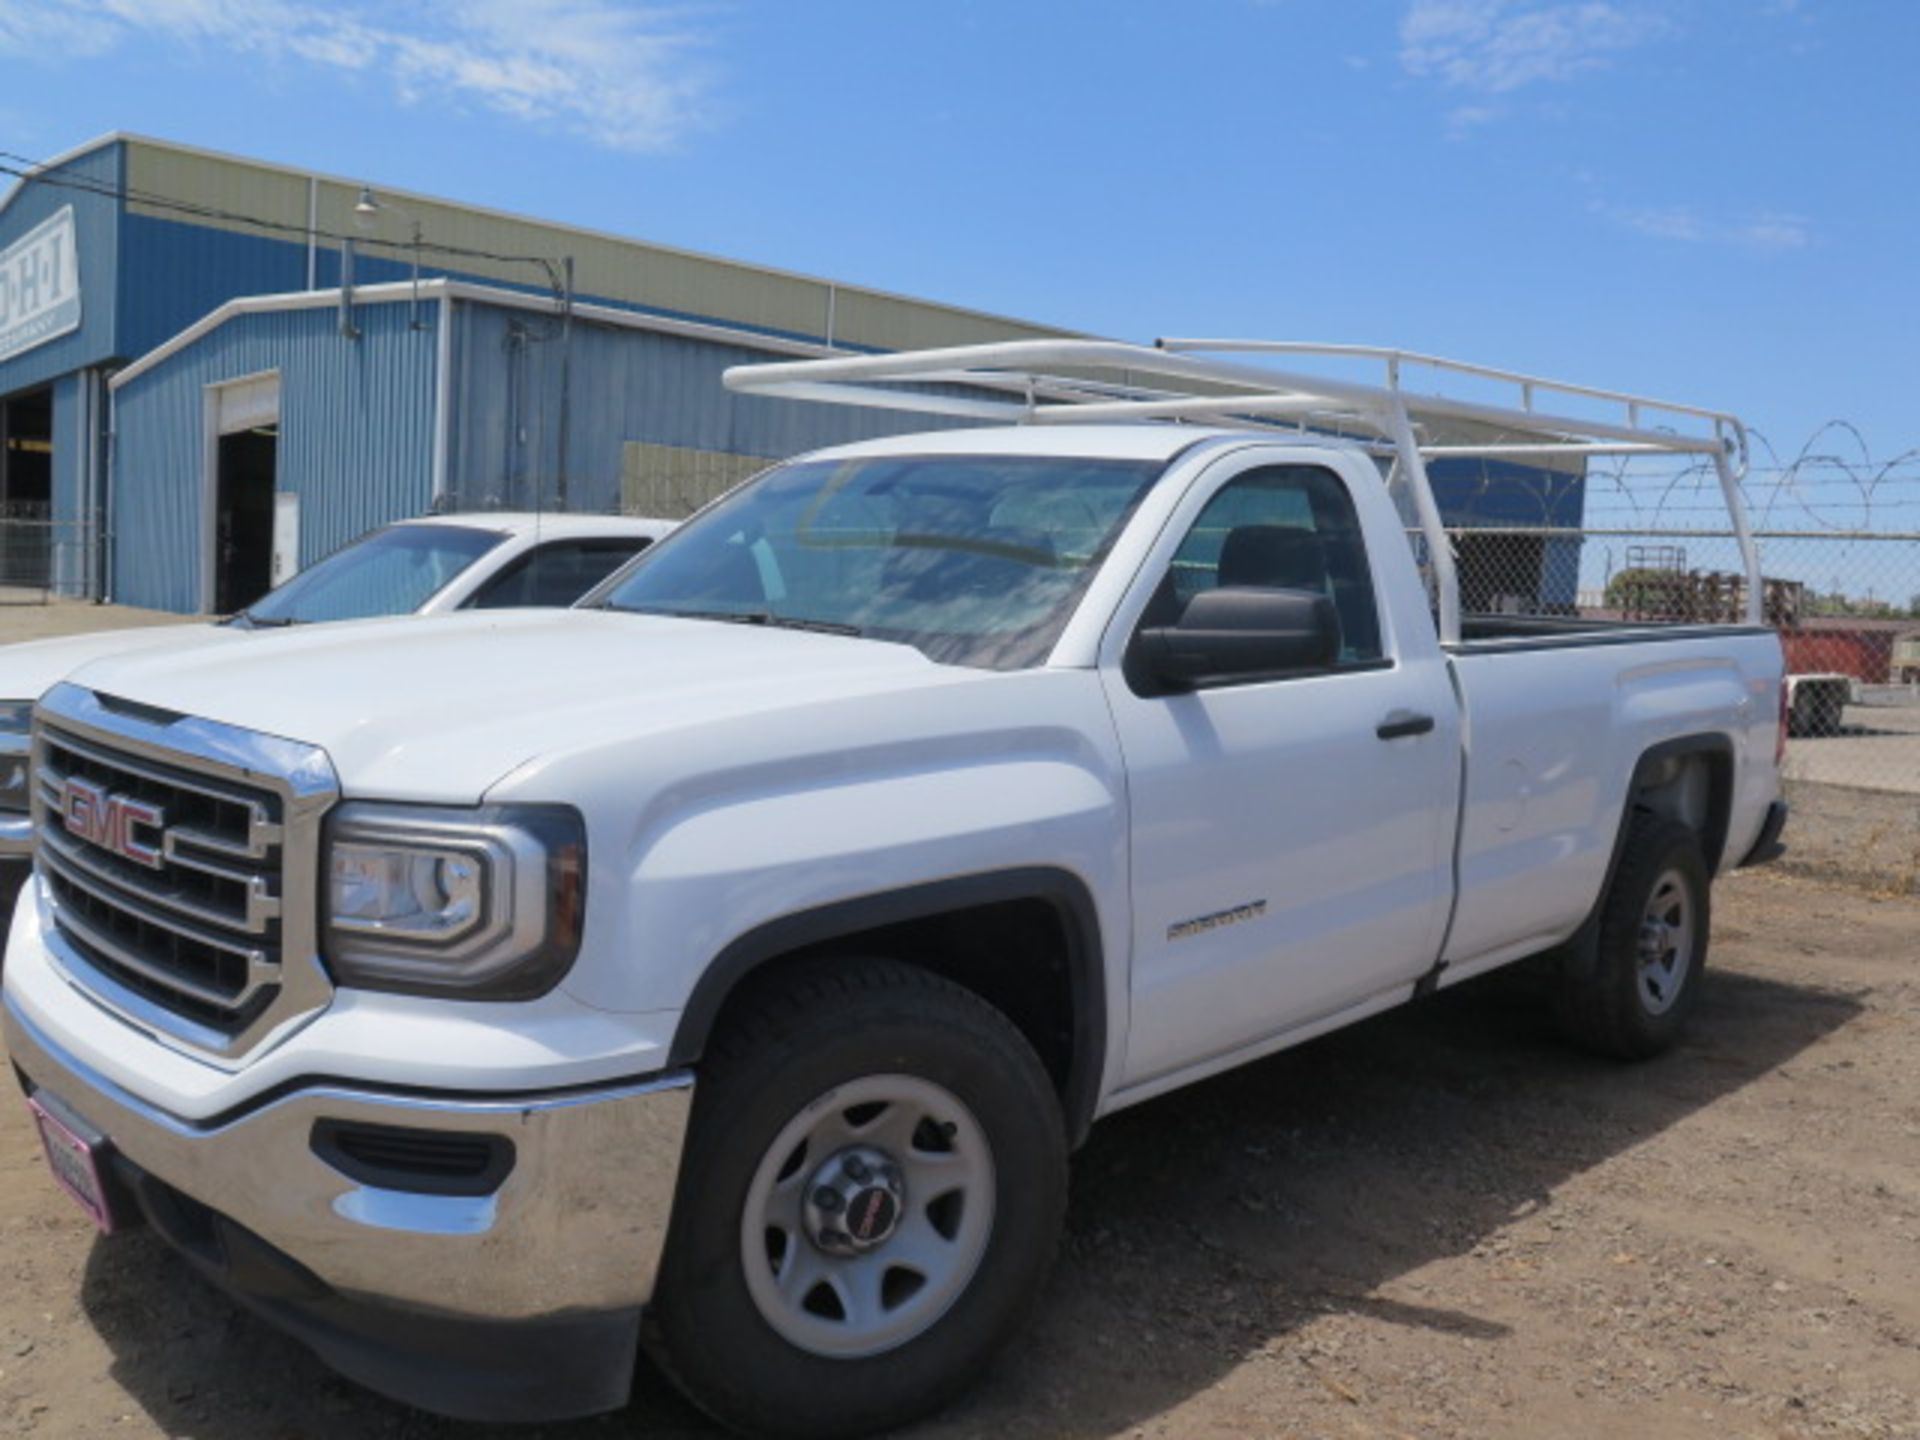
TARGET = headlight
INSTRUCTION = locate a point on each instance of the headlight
(480, 904)
(16, 740)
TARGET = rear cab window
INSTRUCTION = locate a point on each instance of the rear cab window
(558, 572)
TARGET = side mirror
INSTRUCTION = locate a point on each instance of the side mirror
(1242, 632)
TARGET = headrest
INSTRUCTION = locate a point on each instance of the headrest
(1281, 556)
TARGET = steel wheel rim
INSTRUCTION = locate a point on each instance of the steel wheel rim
(1665, 944)
(851, 1305)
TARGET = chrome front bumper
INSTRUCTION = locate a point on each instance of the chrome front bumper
(571, 1237)
(16, 826)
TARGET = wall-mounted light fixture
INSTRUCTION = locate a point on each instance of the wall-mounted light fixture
(366, 215)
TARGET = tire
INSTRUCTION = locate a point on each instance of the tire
(1799, 717)
(885, 1334)
(1631, 996)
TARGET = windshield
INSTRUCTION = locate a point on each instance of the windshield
(973, 559)
(390, 572)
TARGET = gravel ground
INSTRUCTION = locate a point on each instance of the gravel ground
(1878, 748)
(1439, 1223)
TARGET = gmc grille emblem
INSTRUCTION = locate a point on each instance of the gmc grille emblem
(99, 817)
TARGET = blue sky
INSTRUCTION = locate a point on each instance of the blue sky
(1714, 199)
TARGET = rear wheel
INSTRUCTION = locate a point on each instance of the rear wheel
(1633, 995)
(872, 1192)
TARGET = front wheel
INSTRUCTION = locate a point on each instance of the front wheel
(872, 1192)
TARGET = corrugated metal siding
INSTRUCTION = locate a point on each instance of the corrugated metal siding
(866, 318)
(1866, 655)
(1473, 491)
(69, 436)
(96, 222)
(262, 191)
(174, 273)
(608, 268)
(1478, 492)
(356, 439)
(627, 385)
(72, 535)
(671, 481)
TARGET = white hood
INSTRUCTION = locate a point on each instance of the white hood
(30, 669)
(440, 708)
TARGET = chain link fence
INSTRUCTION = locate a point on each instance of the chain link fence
(43, 559)
(1839, 543)
(1846, 606)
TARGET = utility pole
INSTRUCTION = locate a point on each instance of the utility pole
(566, 380)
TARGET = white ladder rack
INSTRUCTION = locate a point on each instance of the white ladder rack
(1065, 382)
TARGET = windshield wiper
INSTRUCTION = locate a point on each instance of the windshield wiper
(265, 622)
(759, 617)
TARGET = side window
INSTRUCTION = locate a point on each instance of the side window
(1290, 527)
(556, 574)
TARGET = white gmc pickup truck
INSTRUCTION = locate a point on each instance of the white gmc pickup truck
(731, 966)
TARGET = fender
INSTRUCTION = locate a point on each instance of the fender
(1578, 948)
(1713, 838)
(1062, 890)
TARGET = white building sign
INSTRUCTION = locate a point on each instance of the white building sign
(39, 286)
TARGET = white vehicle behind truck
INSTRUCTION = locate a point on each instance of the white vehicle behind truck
(732, 965)
(432, 566)
(1816, 702)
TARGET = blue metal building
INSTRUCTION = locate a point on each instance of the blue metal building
(193, 404)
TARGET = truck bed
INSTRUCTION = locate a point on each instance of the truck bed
(1558, 715)
(1487, 633)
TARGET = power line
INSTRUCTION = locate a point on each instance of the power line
(27, 169)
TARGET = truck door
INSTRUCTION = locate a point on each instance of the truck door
(1291, 837)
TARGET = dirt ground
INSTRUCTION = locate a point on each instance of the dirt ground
(1440, 1223)
(1877, 748)
(38, 620)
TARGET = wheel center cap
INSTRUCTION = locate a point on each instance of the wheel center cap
(854, 1201)
(871, 1216)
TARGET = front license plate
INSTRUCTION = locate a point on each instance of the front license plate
(75, 1163)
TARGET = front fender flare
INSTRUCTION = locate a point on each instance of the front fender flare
(1064, 891)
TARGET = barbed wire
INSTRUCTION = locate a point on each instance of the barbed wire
(1831, 482)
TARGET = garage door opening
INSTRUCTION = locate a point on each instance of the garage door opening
(243, 517)
(26, 489)
(26, 455)
(242, 467)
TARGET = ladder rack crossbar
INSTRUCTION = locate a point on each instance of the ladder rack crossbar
(1529, 384)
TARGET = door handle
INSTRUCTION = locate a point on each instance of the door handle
(1401, 723)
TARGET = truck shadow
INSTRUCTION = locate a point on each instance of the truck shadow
(1205, 1226)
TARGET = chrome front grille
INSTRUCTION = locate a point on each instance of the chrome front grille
(200, 930)
(179, 870)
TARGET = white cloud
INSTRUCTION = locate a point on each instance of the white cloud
(1495, 46)
(1775, 232)
(623, 75)
(28, 27)
(1686, 224)
(1463, 120)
